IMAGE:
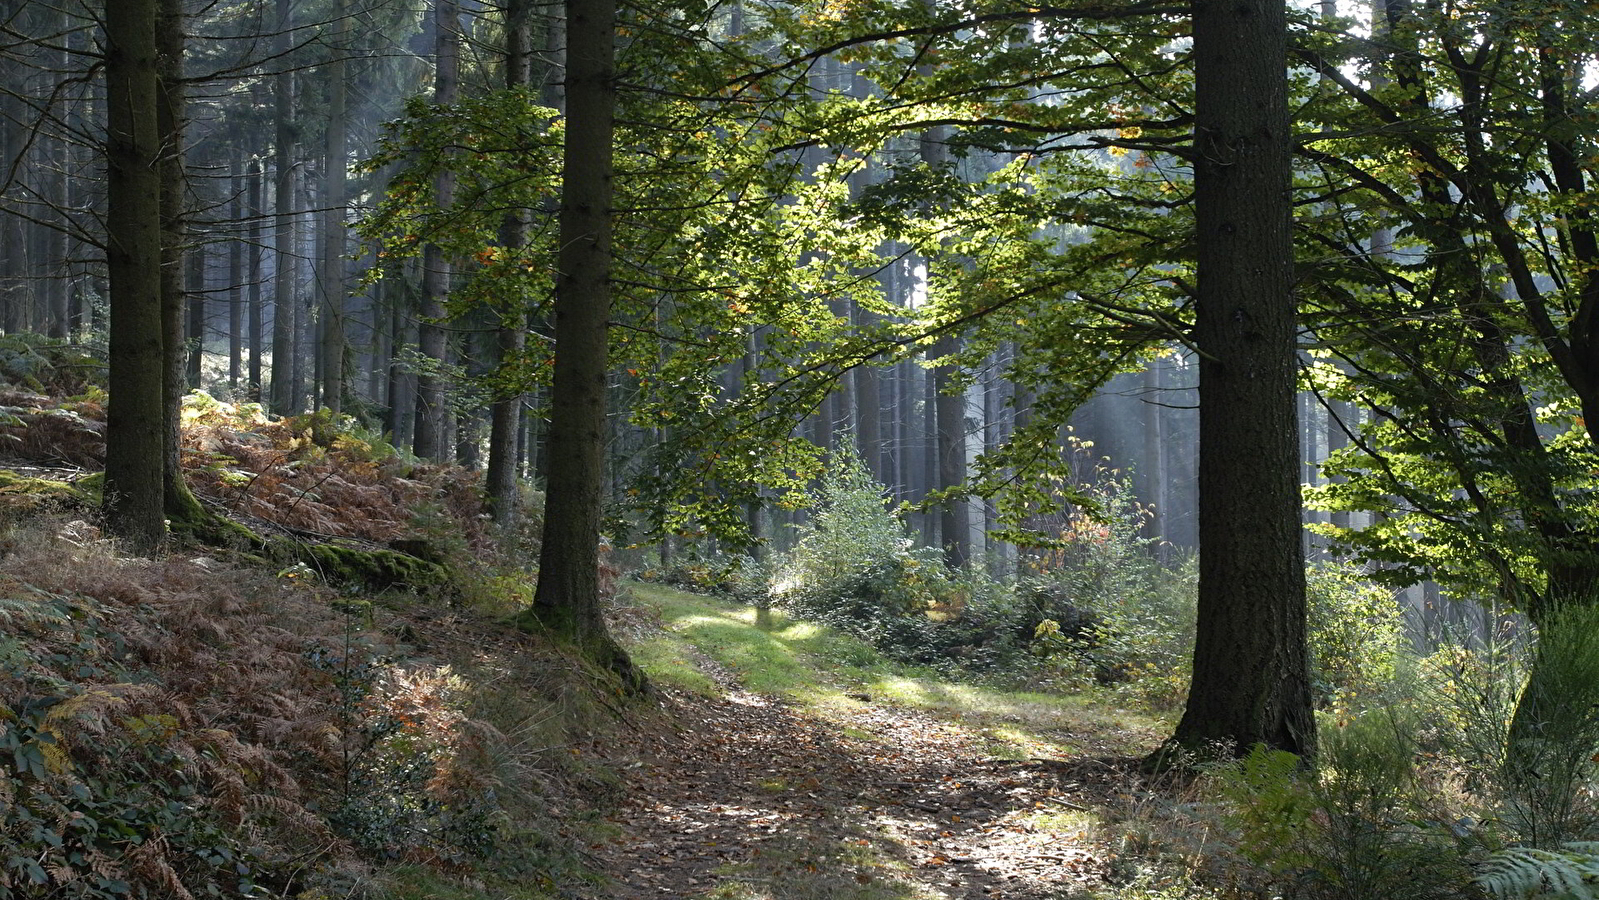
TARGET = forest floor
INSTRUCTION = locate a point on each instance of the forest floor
(784, 764)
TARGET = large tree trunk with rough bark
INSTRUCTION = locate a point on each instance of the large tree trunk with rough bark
(568, 600)
(1251, 680)
(134, 476)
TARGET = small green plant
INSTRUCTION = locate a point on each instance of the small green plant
(1569, 872)
(1359, 826)
(1356, 636)
(854, 550)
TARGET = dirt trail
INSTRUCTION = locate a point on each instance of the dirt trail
(881, 802)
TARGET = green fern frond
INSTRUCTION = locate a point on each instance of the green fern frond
(1520, 873)
(47, 610)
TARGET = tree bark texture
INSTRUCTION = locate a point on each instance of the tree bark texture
(134, 475)
(333, 236)
(174, 293)
(1251, 681)
(568, 599)
(283, 305)
(255, 177)
(433, 343)
(505, 418)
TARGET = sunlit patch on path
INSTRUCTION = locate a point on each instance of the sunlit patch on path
(746, 796)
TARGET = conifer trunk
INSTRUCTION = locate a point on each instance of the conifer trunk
(1251, 680)
(133, 478)
(568, 600)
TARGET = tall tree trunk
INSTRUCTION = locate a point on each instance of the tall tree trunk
(194, 293)
(179, 505)
(255, 176)
(56, 151)
(505, 418)
(283, 249)
(134, 476)
(333, 179)
(236, 191)
(303, 350)
(1251, 681)
(431, 427)
(1154, 468)
(568, 600)
(950, 413)
(401, 420)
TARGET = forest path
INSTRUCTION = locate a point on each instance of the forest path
(740, 795)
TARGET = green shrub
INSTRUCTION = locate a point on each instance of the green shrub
(1356, 636)
(854, 568)
(1521, 723)
(1111, 612)
(1361, 826)
(852, 536)
(1551, 761)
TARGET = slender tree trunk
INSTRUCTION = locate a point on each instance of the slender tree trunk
(57, 152)
(236, 248)
(568, 598)
(505, 417)
(134, 476)
(333, 180)
(431, 427)
(255, 176)
(1155, 456)
(179, 505)
(283, 249)
(1251, 681)
(950, 413)
(304, 347)
(402, 384)
(194, 294)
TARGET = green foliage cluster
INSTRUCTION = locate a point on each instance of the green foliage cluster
(1362, 825)
(1456, 784)
(1356, 636)
(855, 568)
(1101, 609)
(1109, 610)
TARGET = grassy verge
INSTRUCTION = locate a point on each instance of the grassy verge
(823, 670)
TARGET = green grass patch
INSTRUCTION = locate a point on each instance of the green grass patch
(814, 666)
(669, 659)
(417, 882)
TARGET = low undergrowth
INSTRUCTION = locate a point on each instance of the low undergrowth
(183, 727)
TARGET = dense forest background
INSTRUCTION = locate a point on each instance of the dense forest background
(287, 305)
(1242, 358)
